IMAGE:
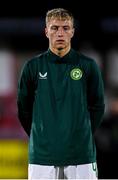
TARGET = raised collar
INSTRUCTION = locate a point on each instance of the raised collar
(57, 59)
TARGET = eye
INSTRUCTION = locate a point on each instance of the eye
(66, 28)
(55, 28)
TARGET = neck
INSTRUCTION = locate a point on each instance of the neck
(60, 52)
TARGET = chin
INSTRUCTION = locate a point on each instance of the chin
(60, 48)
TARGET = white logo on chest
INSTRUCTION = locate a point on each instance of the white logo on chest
(42, 76)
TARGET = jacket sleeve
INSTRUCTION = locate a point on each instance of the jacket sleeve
(25, 98)
(95, 96)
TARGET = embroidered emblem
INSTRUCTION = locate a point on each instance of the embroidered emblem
(76, 74)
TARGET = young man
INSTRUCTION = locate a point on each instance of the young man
(60, 105)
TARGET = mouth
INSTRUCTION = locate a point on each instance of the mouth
(60, 41)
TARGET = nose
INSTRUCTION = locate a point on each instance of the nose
(60, 31)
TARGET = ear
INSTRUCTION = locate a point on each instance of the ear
(73, 31)
(46, 32)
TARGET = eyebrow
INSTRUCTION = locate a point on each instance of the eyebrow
(60, 26)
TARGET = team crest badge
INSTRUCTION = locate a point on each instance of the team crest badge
(76, 74)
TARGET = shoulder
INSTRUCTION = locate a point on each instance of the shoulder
(31, 65)
(91, 66)
(82, 58)
(87, 64)
(86, 59)
(36, 59)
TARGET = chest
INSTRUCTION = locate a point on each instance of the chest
(61, 77)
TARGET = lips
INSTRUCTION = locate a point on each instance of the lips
(60, 41)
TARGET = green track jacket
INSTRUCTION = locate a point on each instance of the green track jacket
(60, 105)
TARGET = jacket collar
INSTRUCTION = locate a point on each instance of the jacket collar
(57, 59)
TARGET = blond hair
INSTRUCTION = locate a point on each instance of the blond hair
(59, 13)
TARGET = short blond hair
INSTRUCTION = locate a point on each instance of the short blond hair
(59, 13)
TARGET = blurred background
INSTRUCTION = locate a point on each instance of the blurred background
(21, 37)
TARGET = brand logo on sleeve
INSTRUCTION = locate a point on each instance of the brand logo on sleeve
(42, 76)
(76, 74)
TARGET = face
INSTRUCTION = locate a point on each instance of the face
(59, 33)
